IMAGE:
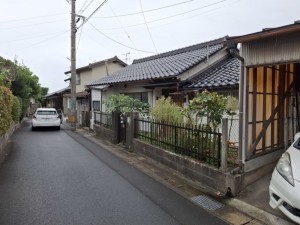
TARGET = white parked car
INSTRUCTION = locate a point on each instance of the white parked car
(284, 187)
(46, 117)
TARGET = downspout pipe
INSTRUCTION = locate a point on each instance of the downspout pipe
(234, 52)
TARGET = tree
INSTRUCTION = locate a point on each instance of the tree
(22, 83)
(207, 104)
(123, 104)
(25, 86)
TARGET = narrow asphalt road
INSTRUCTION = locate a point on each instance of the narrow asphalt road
(60, 177)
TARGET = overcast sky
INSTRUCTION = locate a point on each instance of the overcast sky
(37, 32)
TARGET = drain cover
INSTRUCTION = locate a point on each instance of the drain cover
(206, 202)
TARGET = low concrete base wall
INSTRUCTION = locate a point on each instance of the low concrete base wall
(4, 140)
(104, 133)
(199, 172)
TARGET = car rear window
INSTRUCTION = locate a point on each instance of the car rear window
(48, 112)
(297, 144)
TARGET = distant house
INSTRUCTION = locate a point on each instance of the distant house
(165, 74)
(58, 100)
(84, 76)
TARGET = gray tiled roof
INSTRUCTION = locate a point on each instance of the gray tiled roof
(221, 75)
(163, 65)
(58, 92)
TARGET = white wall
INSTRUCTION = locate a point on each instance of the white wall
(95, 96)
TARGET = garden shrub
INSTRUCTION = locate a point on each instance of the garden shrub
(16, 109)
(6, 102)
(166, 110)
(124, 103)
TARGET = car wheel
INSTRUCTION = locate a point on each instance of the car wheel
(58, 128)
(33, 128)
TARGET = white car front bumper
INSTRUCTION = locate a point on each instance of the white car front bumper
(285, 197)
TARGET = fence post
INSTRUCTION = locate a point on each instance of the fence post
(130, 129)
(286, 133)
(115, 127)
(224, 150)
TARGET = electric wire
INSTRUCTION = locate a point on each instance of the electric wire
(100, 32)
(79, 38)
(148, 27)
(82, 10)
(175, 15)
(32, 18)
(40, 42)
(146, 11)
(30, 37)
(87, 18)
(125, 31)
(31, 25)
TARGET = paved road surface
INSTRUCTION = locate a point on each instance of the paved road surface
(59, 177)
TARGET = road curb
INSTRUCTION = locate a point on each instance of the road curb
(259, 214)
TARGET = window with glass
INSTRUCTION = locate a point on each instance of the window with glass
(96, 105)
(141, 96)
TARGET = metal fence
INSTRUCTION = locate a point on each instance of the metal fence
(198, 142)
(103, 119)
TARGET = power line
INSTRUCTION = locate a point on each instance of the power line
(175, 15)
(119, 42)
(87, 18)
(147, 26)
(40, 42)
(82, 10)
(146, 11)
(125, 31)
(31, 37)
(34, 24)
(32, 18)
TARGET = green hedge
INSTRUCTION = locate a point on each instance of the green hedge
(16, 109)
(10, 109)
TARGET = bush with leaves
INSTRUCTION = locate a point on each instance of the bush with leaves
(166, 110)
(123, 104)
(16, 109)
(6, 103)
(207, 104)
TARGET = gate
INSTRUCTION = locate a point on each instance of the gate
(122, 129)
(85, 119)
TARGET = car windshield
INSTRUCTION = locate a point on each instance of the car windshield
(44, 112)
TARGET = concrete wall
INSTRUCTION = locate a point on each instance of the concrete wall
(4, 141)
(104, 133)
(199, 172)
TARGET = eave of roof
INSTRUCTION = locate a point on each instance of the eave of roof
(92, 65)
(81, 94)
(222, 75)
(269, 32)
(58, 92)
(165, 65)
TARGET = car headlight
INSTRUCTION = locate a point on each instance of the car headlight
(284, 168)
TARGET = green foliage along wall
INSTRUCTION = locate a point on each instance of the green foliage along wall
(6, 103)
(166, 110)
(16, 109)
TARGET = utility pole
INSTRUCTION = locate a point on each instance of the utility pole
(73, 113)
